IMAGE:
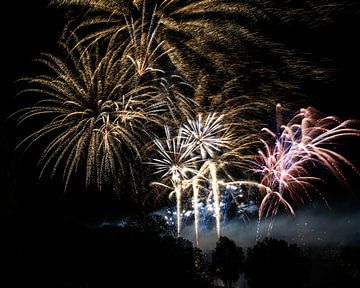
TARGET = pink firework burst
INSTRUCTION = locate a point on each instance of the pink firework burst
(308, 139)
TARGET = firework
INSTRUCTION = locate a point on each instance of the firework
(94, 109)
(189, 30)
(307, 140)
(102, 100)
(221, 146)
(208, 42)
(203, 150)
(175, 94)
(143, 51)
(208, 136)
(176, 164)
(177, 159)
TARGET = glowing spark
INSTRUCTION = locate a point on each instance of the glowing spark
(195, 187)
(176, 166)
(183, 28)
(143, 51)
(216, 194)
(283, 166)
(208, 136)
(94, 110)
(213, 138)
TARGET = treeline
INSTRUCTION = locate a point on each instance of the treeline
(143, 252)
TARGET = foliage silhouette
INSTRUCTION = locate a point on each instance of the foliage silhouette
(227, 261)
(275, 263)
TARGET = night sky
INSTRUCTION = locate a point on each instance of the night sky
(33, 211)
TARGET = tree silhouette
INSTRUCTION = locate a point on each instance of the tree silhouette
(275, 263)
(227, 261)
(139, 254)
(202, 268)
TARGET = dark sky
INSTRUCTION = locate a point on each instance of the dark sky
(31, 27)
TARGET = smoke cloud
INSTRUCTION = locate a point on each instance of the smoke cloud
(309, 228)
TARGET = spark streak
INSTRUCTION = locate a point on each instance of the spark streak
(175, 164)
(206, 143)
(306, 141)
(94, 110)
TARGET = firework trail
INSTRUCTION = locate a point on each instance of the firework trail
(187, 159)
(213, 138)
(307, 140)
(216, 194)
(121, 92)
(196, 191)
(99, 107)
(198, 36)
(175, 92)
(209, 42)
(208, 135)
(177, 165)
(143, 51)
(145, 54)
(95, 111)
